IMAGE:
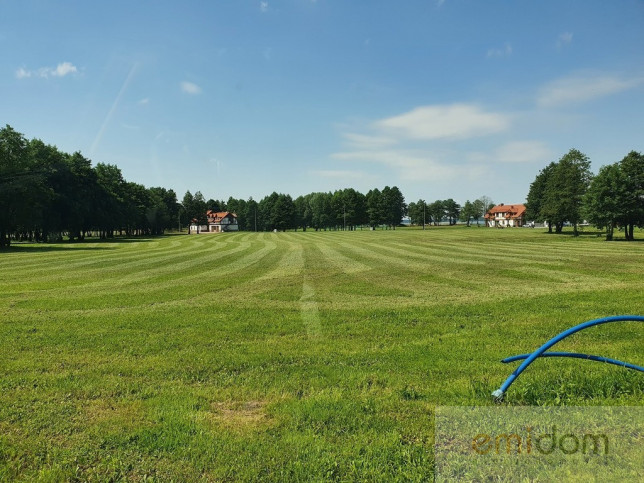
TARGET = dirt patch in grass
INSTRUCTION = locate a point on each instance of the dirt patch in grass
(239, 416)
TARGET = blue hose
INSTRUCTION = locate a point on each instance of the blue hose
(498, 394)
(577, 356)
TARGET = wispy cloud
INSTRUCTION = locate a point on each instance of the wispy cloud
(190, 88)
(413, 165)
(419, 145)
(564, 39)
(263, 6)
(363, 141)
(582, 88)
(61, 70)
(340, 174)
(23, 73)
(523, 152)
(453, 121)
(506, 51)
(144, 101)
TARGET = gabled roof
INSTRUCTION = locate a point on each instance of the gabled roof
(511, 211)
(217, 216)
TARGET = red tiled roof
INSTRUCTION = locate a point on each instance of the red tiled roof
(511, 211)
(214, 217)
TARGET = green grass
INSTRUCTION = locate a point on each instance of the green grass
(294, 356)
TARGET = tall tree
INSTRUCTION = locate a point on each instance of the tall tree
(81, 193)
(163, 213)
(187, 205)
(487, 204)
(452, 210)
(20, 183)
(239, 208)
(215, 205)
(376, 211)
(568, 184)
(633, 168)
(110, 199)
(418, 213)
(265, 220)
(321, 215)
(251, 215)
(478, 210)
(605, 199)
(437, 211)
(394, 206)
(468, 212)
(537, 194)
(302, 212)
(283, 214)
(199, 207)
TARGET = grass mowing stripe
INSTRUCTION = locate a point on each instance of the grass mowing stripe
(340, 261)
(310, 311)
(143, 295)
(114, 272)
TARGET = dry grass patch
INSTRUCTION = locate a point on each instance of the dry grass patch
(114, 414)
(238, 416)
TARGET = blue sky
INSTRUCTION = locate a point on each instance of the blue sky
(241, 98)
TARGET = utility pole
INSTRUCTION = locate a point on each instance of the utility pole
(424, 204)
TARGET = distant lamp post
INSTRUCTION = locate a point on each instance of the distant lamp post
(424, 204)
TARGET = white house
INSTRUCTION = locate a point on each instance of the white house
(218, 222)
(505, 215)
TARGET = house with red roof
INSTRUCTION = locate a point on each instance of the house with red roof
(217, 222)
(505, 215)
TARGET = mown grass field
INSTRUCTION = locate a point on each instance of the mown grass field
(294, 356)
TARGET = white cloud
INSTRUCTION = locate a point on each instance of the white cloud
(579, 89)
(190, 88)
(263, 6)
(22, 73)
(523, 152)
(455, 121)
(408, 143)
(144, 101)
(413, 166)
(61, 70)
(506, 51)
(564, 39)
(362, 141)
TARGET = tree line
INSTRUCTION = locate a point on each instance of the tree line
(567, 192)
(423, 213)
(344, 209)
(46, 193)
